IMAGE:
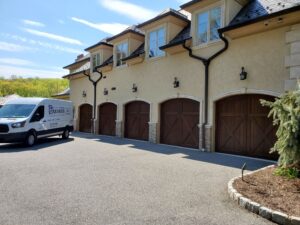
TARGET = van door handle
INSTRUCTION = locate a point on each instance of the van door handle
(44, 121)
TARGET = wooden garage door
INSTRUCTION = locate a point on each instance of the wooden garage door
(136, 120)
(85, 120)
(179, 123)
(107, 119)
(243, 126)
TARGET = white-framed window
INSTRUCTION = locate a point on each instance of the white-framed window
(208, 23)
(157, 38)
(96, 60)
(121, 53)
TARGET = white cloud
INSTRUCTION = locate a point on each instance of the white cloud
(16, 61)
(7, 71)
(128, 9)
(33, 23)
(53, 36)
(42, 44)
(10, 47)
(110, 28)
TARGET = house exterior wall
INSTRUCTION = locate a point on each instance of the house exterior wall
(262, 55)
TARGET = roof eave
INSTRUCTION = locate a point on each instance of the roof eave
(98, 44)
(123, 33)
(174, 44)
(74, 63)
(259, 19)
(162, 16)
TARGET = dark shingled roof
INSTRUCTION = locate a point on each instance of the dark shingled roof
(86, 58)
(63, 93)
(261, 9)
(190, 3)
(165, 13)
(180, 38)
(98, 44)
(133, 29)
(139, 51)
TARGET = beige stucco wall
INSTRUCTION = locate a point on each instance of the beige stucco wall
(262, 55)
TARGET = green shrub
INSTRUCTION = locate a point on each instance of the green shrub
(290, 173)
(286, 114)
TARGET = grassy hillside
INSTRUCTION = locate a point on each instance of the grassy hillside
(32, 87)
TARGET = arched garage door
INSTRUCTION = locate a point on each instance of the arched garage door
(179, 123)
(107, 119)
(136, 120)
(85, 118)
(243, 126)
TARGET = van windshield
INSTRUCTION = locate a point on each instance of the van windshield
(16, 110)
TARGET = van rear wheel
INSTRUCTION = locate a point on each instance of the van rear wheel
(30, 139)
(66, 134)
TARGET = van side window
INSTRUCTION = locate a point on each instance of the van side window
(38, 114)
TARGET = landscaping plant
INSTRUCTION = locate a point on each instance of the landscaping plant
(286, 114)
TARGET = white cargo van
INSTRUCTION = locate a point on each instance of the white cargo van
(27, 119)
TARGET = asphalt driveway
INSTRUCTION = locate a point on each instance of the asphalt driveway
(103, 180)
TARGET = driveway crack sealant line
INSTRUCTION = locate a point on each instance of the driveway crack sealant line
(206, 62)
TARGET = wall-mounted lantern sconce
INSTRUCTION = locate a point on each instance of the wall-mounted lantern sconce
(134, 88)
(176, 82)
(83, 94)
(243, 74)
(105, 92)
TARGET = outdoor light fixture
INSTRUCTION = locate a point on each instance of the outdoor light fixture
(243, 74)
(134, 88)
(105, 92)
(83, 94)
(176, 82)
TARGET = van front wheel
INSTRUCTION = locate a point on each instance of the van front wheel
(30, 139)
(66, 134)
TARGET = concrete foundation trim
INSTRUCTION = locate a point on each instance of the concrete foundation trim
(254, 207)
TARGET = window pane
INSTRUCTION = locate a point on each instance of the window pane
(215, 23)
(121, 52)
(156, 39)
(202, 27)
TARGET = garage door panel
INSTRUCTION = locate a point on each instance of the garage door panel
(179, 123)
(85, 118)
(243, 126)
(136, 120)
(107, 119)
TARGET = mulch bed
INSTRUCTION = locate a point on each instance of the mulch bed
(275, 192)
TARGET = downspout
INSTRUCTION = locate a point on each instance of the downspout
(206, 62)
(94, 82)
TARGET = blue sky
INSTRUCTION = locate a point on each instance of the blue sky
(39, 37)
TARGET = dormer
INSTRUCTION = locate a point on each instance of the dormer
(82, 62)
(125, 43)
(99, 53)
(160, 30)
(209, 16)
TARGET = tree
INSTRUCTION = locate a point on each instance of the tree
(286, 114)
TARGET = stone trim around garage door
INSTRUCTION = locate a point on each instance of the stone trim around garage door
(267, 213)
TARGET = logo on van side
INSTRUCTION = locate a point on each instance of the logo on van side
(56, 110)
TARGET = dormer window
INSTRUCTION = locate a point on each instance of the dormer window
(96, 60)
(157, 38)
(208, 23)
(121, 53)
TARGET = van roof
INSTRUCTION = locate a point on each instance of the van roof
(30, 101)
(33, 101)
